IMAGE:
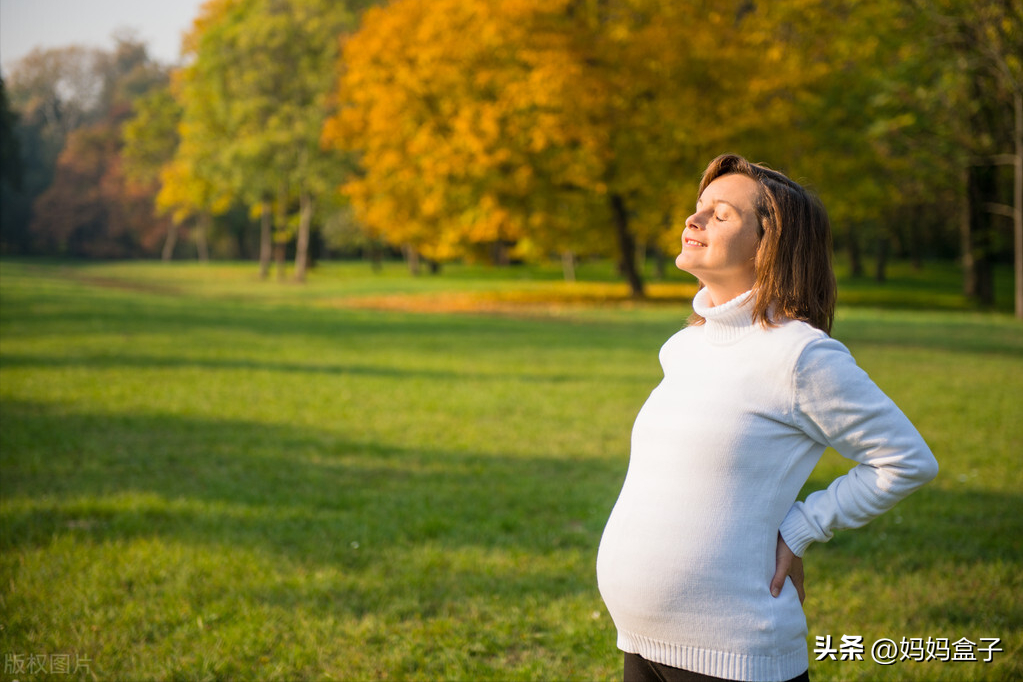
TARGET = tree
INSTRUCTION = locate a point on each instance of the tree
(254, 99)
(91, 208)
(150, 140)
(187, 194)
(551, 124)
(196, 183)
(11, 171)
(987, 40)
(59, 93)
(10, 152)
(53, 92)
(61, 87)
(439, 172)
(854, 113)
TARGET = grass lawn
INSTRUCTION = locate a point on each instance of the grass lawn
(372, 476)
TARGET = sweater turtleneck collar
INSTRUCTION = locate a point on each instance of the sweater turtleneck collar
(727, 322)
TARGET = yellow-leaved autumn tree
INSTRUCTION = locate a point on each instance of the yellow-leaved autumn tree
(437, 101)
(557, 125)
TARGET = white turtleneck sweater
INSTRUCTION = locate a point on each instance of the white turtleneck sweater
(719, 452)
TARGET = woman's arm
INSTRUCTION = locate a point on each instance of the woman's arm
(837, 404)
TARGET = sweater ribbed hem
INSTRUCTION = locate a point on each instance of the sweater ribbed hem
(723, 664)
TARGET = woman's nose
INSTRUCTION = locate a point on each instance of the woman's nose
(692, 222)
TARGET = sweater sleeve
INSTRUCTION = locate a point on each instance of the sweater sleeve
(837, 404)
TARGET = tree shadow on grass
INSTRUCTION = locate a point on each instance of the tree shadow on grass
(311, 497)
(307, 497)
(142, 361)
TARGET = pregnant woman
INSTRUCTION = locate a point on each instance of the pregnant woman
(700, 563)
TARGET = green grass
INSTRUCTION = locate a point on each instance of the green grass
(205, 476)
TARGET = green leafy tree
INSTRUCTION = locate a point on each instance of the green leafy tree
(844, 114)
(980, 43)
(11, 172)
(150, 141)
(254, 100)
(197, 183)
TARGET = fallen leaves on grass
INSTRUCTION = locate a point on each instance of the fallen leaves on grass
(548, 300)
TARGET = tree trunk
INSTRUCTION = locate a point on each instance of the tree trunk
(281, 235)
(1017, 203)
(265, 238)
(170, 243)
(982, 187)
(883, 243)
(302, 247)
(626, 246)
(202, 228)
(280, 249)
(568, 265)
(855, 255)
(501, 254)
(375, 255)
(660, 264)
(965, 241)
(412, 258)
(914, 239)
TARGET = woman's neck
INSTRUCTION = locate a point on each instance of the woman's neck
(727, 321)
(719, 293)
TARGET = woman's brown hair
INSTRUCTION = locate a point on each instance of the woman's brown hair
(794, 278)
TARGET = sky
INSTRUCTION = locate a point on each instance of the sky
(26, 24)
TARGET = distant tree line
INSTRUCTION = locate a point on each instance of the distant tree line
(520, 129)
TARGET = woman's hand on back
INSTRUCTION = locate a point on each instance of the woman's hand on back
(787, 564)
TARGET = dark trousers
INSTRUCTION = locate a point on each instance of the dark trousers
(638, 669)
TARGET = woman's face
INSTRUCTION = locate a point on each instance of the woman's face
(719, 242)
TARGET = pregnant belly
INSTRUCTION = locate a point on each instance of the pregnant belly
(664, 565)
